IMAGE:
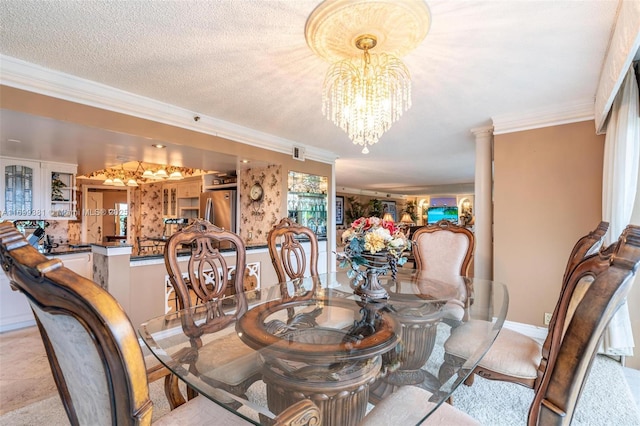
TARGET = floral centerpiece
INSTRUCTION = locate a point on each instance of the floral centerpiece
(377, 245)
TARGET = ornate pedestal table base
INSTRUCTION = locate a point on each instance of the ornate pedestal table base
(342, 396)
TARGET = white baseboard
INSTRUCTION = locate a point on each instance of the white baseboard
(535, 332)
(17, 325)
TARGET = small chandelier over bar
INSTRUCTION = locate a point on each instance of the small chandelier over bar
(365, 92)
(136, 173)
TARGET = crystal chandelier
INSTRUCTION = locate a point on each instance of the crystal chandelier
(364, 97)
(365, 91)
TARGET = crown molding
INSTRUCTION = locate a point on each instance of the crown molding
(34, 78)
(553, 116)
(379, 194)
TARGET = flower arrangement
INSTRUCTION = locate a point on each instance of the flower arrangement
(371, 236)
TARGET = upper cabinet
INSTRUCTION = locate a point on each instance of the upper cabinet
(59, 183)
(190, 189)
(180, 199)
(170, 200)
(189, 198)
(37, 190)
(21, 186)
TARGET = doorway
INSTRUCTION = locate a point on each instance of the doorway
(105, 213)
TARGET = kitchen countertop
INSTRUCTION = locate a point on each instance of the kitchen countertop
(187, 252)
(73, 248)
(63, 249)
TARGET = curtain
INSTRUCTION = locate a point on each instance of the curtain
(619, 189)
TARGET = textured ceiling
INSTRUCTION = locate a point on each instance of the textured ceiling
(247, 62)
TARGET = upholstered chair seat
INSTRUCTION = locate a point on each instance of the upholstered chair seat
(238, 359)
(400, 409)
(198, 412)
(512, 354)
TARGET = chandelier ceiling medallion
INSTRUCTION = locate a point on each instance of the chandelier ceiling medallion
(367, 88)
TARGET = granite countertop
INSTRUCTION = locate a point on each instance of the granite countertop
(65, 249)
(187, 252)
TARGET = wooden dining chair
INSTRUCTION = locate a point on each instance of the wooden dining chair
(515, 357)
(598, 284)
(288, 255)
(204, 276)
(93, 350)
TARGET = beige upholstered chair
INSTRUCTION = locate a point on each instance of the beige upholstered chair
(92, 348)
(515, 357)
(598, 285)
(206, 274)
(443, 251)
(443, 248)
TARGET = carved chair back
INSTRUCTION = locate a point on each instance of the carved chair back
(206, 273)
(585, 246)
(288, 255)
(93, 351)
(443, 249)
(597, 287)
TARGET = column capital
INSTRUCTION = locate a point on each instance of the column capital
(482, 131)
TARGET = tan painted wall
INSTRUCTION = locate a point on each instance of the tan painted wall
(547, 194)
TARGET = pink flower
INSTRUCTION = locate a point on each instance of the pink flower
(359, 223)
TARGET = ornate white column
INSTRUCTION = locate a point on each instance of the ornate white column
(483, 204)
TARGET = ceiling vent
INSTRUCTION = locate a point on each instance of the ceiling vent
(298, 153)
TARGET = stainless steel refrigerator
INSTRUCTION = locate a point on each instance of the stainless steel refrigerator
(221, 210)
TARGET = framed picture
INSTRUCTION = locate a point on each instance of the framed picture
(339, 210)
(390, 207)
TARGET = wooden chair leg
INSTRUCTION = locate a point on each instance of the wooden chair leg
(172, 391)
(191, 393)
(469, 380)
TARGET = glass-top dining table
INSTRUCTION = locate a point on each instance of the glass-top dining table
(315, 339)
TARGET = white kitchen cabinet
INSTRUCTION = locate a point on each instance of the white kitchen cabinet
(21, 187)
(59, 183)
(15, 311)
(37, 190)
(80, 263)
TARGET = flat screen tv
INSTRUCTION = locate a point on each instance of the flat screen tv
(449, 213)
